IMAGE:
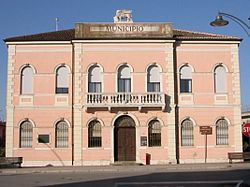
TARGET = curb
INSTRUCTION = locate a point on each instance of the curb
(151, 168)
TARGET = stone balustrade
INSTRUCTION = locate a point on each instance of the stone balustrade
(152, 99)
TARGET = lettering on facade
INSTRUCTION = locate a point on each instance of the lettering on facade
(124, 28)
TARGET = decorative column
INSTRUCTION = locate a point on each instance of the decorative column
(169, 59)
(77, 106)
(9, 101)
(236, 96)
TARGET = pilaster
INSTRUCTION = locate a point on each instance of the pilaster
(236, 97)
(77, 105)
(9, 101)
(170, 102)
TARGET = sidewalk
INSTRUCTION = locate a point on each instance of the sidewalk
(134, 168)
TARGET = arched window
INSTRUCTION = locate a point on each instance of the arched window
(124, 79)
(27, 80)
(94, 134)
(187, 133)
(221, 132)
(62, 134)
(26, 132)
(153, 77)
(62, 80)
(154, 133)
(186, 79)
(220, 79)
(94, 79)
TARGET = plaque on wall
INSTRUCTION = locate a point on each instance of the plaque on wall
(43, 138)
(144, 140)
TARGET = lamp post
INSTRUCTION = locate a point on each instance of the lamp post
(219, 21)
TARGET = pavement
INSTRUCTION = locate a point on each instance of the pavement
(126, 168)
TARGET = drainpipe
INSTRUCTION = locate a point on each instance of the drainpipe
(177, 148)
(72, 102)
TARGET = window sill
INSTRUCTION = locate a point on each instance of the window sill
(222, 146)
(93, 148)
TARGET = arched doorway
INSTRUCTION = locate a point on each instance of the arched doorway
(124, 139)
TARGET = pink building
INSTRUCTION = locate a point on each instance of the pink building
(105, 93)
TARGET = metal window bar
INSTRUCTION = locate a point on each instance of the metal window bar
(187, 134)
(62, 135)
(222, 132)
(154, 134)
(94, 134)
(26, 135)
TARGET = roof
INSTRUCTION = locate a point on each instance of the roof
(68, 35)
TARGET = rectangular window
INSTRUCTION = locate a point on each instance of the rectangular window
(95, 87)
(186, 85)
(153, 87)
(62, 90)
(124, 85)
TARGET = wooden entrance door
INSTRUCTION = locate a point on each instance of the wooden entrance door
(125, 144)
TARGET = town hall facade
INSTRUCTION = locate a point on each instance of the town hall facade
(107, 93)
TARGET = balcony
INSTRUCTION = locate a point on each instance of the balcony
(102, 100)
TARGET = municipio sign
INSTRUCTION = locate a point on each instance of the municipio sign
(246, 129)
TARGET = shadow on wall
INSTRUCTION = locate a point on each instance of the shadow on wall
(53, 151)
(168, 108)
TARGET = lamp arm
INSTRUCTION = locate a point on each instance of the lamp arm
(243, 25)
(235, 18)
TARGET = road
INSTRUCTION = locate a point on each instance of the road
(129, 178)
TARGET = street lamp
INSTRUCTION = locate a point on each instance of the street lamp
(219, 21)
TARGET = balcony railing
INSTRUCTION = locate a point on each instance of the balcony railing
(152, 99)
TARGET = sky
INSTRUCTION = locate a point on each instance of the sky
(24, 17)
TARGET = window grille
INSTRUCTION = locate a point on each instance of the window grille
(187, 133)
(26, 134)
(222, 132)
(154, 133)
(94, 79)
(94, 134)
(153, 79)
(62, 80)
(186, 79)
(62, 134)
(27, 80)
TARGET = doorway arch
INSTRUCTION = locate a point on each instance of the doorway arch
(124, 139)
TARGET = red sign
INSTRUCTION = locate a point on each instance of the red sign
(205, 130)
(246, 129)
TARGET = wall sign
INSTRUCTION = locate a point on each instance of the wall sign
(205, 130)
(43, 138)
(144, 140)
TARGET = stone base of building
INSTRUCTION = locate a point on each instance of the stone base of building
(199, 161)
(46, 163)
